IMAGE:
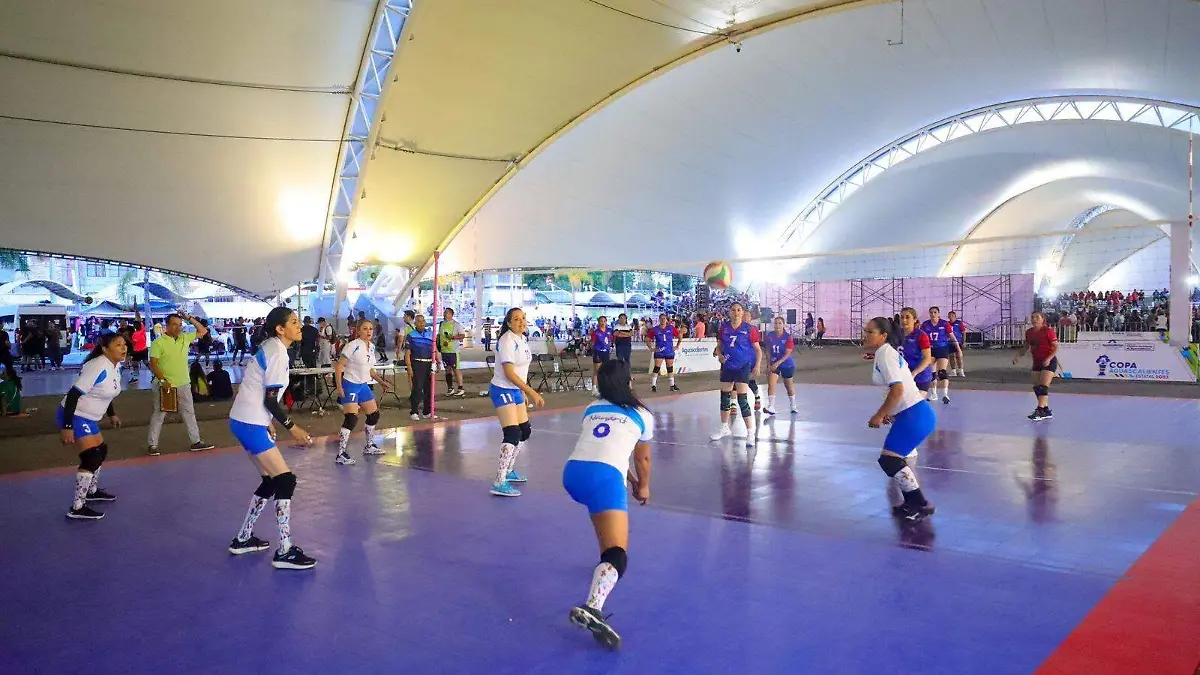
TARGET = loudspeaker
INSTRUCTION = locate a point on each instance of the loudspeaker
(791, 317)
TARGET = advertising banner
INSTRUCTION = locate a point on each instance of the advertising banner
(1136, 360)
(695, 356)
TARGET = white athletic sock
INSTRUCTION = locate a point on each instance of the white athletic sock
(370, 429)
(654, 379)
(83, 480)
(343, 439)
(792, 400)
(508, 458)
(604, 580)
(256, 508)
(672, 379)
(906, 480)
(95, 484)
(283, 514)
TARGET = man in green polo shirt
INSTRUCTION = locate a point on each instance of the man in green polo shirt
(449, 333)
(169, 363)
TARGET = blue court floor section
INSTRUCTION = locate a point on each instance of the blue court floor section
(777, 559)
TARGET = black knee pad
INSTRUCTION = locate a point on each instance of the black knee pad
(891, 465)
(285, 485)
(943, 375)
(616, 557)
(726, 397)
(512, 435)
(526, 430)
(670, 369)
(373, 418)
(91, 459)
(1041, 390)
(103, 448)
(266, 489)
(744, 404)
(753, 384)
(349, 421)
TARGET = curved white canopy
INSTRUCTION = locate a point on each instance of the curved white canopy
(714, 159)
(615, 133)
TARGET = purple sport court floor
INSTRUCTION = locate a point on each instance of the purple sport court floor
(778, 559)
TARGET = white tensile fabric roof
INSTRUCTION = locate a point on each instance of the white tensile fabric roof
(569, 132)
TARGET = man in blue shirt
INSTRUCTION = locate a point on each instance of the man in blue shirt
(418, 356)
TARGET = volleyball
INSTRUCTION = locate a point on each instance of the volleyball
(718, 275)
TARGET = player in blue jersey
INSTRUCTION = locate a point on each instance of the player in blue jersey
(959, 327)
(906, 410)
(250, 419)
(89, 400)
(663, 339)
(942, 344)
(780, 346)
(602, 344)
(741, 355)
(595, 475)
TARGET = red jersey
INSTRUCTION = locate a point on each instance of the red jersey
(139, 340)
(1041, 342)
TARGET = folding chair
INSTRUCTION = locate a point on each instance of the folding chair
(573, 373)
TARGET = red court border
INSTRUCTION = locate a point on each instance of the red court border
(1149, 622)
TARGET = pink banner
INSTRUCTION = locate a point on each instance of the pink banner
(982, 298)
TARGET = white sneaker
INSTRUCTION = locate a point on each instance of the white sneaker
(794, 410)
(962, 373)
(415, 417)
(344, 459)
(721, 432)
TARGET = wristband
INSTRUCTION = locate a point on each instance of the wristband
(288, 423)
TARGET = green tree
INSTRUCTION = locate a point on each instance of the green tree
(178, 284)
(682, 283)
(125, 293)
(535, 281)
(615, 282)
(13, 260)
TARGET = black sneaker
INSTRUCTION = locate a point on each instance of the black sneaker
(899, 511)
(1038, 414)
(251, 545)
(154, 451)
(674, 388)
(653, 388)
(1046, 414)
(915, 513)
(101, 496)
(946, 400)
(586, 617)
(85, 513)
(294, 559)
(201, 445)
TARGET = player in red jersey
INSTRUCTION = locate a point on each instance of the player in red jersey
(1043, 343)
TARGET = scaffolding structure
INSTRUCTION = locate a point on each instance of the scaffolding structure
(801, 297)
(998, 292)
(868, 292)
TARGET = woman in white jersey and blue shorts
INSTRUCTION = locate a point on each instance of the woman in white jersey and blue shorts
(509, 391)
(906, 409)
(613, 427)
(78, 417)
(353, 374)
(257, 402)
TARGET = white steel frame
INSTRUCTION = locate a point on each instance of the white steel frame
(362, 127)
(1173, 116)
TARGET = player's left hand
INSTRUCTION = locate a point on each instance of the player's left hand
(877, 420)
(116, 421)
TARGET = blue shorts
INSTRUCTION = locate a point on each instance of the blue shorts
(600, 357)
(255, 438)
(735, 373)
(940, 351)
(450, 360)
(664, 356)
(502, 396)
(910, 428)
(356, 393)
(596, 485)
(82, 426)
(786, 370)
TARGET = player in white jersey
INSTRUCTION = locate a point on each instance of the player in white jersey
(78, 417)
(905, 409)
(613, 427)
(257, 402)
(353, 373)
(509, 390)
